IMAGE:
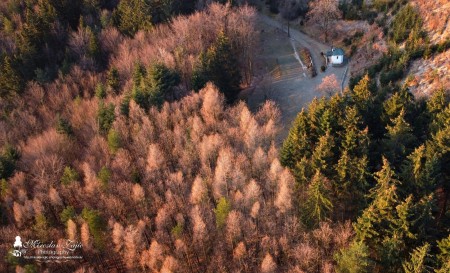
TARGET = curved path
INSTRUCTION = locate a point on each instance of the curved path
(304, 40)
(282, 77)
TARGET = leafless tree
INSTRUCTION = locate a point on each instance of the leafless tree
(324, 13)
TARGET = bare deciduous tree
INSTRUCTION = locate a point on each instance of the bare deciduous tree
(329, 85)
(324, 13)
(268, 265)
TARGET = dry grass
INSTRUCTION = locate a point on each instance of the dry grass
(430, 75)
(436, 16)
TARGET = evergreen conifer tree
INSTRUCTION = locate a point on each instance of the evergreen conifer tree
(318, 205)
(419, 262)
(297, 144)
(132, 16)
(222, 68)
(399, 139)
(354, 259)
(10, 80)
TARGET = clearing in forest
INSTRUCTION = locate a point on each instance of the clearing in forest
(280, 75)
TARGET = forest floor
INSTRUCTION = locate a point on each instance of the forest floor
(280, 75)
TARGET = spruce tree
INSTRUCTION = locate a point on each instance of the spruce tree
(302, 171)
(113, 79)
(94, 45)
(318, 205)
(97, 226)
(386, 226)
(444, 253)
(420, 260)
(114, 141)
(323, 156)
(297, 144)
(199, 76)
(63, 126)
(438, 102)
(361, 95)
(421, 170)
(400, 101)
(399, 140)
(221, 211)
(354, 259)
(105, 116)
(440, 120)
(370, 225)
(132, 16)
(222, 67)
(10, 80)
(351, 183)
(161, 81)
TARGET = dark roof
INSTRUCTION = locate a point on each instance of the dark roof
(336, 52)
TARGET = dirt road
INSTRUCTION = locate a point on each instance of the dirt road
(304, 40)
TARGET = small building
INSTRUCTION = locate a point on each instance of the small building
(335, 56)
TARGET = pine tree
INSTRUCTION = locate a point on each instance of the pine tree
(153, 86)
(302, 171)
(327, 122)
(354, 140)
(315, 112)
(162, 11)
(41, 226)
(35, 36)
(69, 11)
(423, 223)
(139, 74)
(351, 183)
(125, 105)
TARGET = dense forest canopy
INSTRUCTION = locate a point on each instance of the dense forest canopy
(121, 128)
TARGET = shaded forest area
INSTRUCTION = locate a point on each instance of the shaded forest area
(120, 128)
